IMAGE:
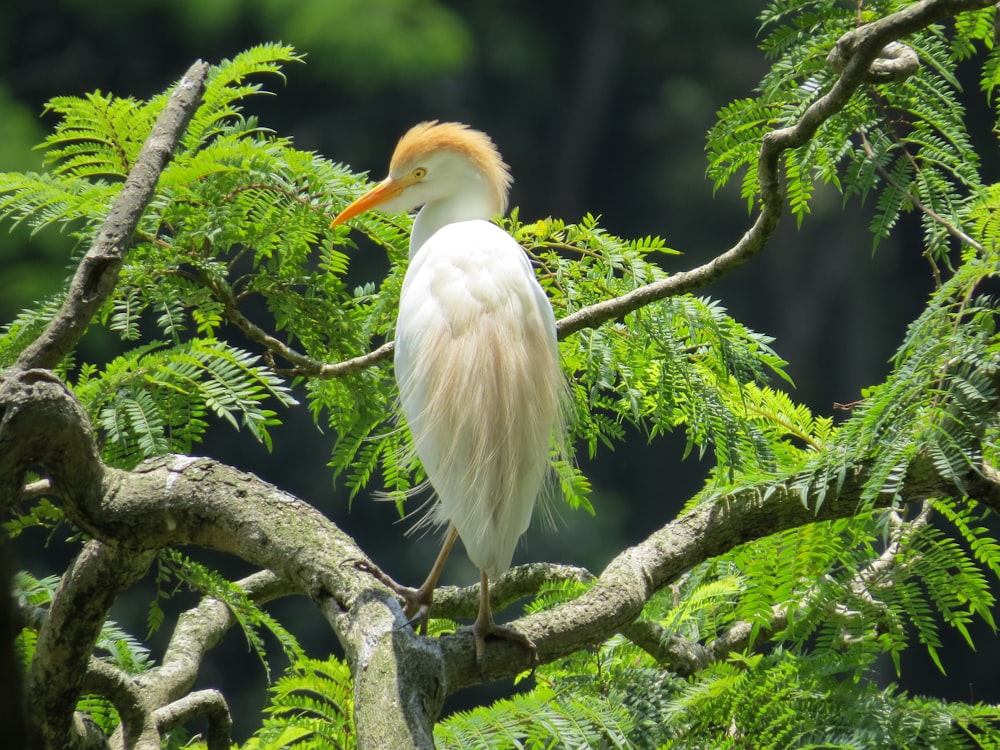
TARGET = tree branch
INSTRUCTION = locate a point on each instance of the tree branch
(69, 632)
(209, 703)
(199, 630)
(155, 702)
(401, 678)
(517, 583)
(686, 657)
(97, 274)
(115, 685)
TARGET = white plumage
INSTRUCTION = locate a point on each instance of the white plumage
(479, 381)
(476, 355)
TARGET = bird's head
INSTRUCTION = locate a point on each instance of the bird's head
(439, 162)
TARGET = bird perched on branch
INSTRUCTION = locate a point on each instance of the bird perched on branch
(476, 357)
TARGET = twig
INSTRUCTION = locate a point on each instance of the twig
(917, 203)
(97, 274)
(303, 365)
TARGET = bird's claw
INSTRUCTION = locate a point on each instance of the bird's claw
(482, 631)
(417, 608)
(416, 602)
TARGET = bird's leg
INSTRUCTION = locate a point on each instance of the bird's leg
(418, 601)
(485, 625)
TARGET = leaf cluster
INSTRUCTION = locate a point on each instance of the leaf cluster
(903, 142)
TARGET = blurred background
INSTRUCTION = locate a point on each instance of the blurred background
(599, 106)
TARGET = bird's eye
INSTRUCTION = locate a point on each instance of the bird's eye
(419, 173)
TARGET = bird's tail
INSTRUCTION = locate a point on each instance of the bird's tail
(489, 410)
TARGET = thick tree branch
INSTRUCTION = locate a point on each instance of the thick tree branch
(401, 678)
(36, 490)
(97, 274)
(36, 409)
(685, 657)
(68, 634)
(178, 500)
(154, 702)
(617, 598)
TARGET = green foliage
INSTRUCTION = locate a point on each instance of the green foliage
(248, 615)
(545, 718)
(787, 701)
(905, 141)
(156, 399)
(312, 706)
(690, 368)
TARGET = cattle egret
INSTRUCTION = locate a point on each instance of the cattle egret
(476, 358)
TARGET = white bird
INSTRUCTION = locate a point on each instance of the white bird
(476, 357)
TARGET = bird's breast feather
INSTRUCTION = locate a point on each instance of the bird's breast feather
(467, 270)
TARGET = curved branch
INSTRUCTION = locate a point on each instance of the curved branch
(97, 274)
(198, 630)
(896, 62)
(517, 583)
(209, 703)
(112, 683)
(68, 634)
(155, 702)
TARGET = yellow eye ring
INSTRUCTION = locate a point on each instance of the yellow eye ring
(419, 173)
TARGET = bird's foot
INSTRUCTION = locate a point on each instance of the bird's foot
(482, 630)
(416, 602)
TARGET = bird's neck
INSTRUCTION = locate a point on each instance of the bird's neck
(474, 201)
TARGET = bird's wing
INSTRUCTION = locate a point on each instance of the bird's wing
(480, 384)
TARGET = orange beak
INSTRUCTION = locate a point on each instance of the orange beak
(385, 190)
